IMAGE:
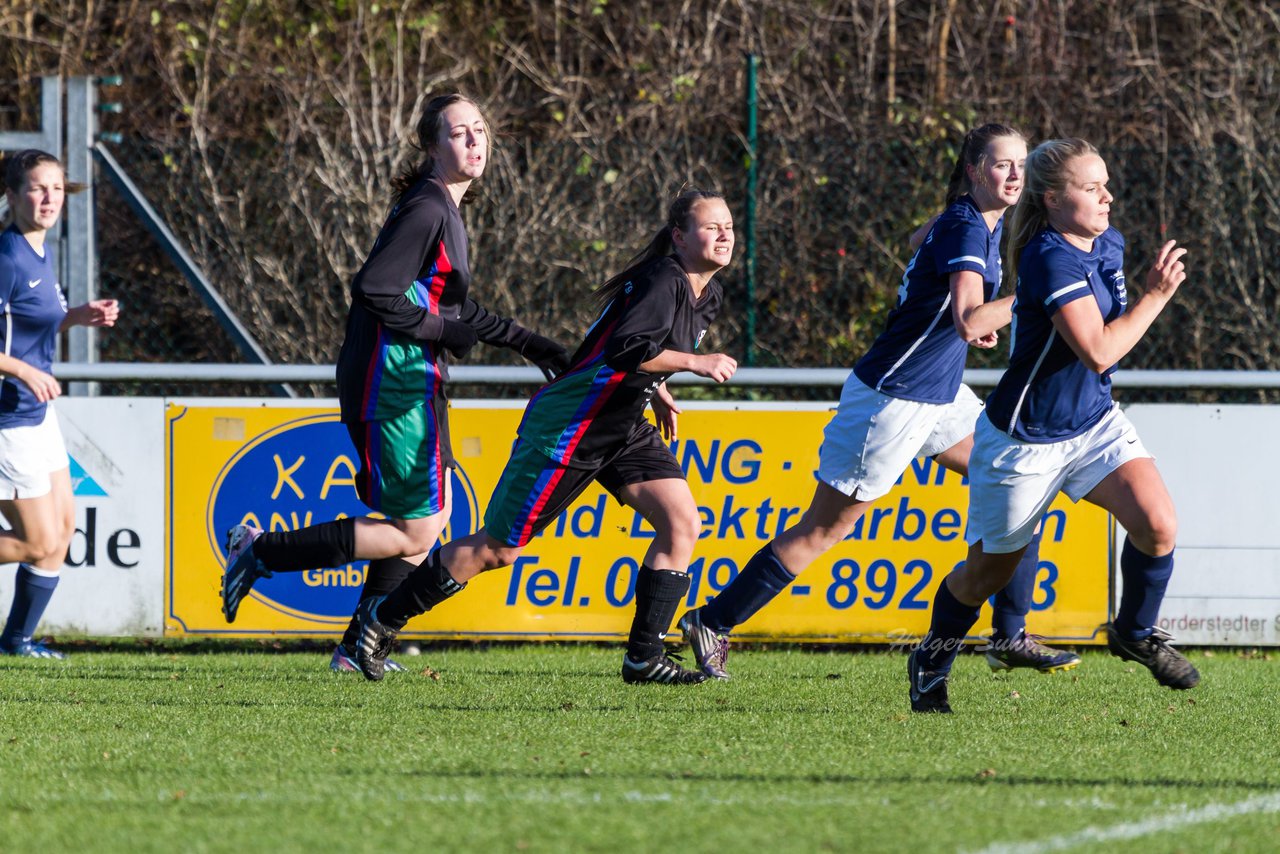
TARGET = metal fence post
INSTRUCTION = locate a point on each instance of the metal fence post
(749, 254)
(80, 261)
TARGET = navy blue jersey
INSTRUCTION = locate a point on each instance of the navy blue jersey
(32, 308)
(920, 356)
(1048, 394)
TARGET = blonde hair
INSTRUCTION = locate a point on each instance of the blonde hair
(1046, 172)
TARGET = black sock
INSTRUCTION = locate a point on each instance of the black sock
(382, 577)
(658, 595)
(426, 587)
(312, 547)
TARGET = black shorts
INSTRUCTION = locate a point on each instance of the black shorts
(534, 489)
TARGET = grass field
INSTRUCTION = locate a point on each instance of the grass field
(543, 748)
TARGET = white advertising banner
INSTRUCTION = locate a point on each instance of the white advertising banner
(112, 583)
(1221, 467)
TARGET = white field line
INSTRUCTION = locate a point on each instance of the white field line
(1137, 829)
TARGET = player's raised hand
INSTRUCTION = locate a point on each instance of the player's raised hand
(1168, 272)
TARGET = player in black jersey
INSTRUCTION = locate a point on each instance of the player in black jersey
(410, 310)
(588, 424)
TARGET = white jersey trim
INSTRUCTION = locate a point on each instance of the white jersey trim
(946, 303)
(1074, 286)
(1035, 369)
(974, 258)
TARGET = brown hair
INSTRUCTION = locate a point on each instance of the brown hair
(972, 152)
(428, 131)
(661, 244)
(18, 165)
(1046, 172)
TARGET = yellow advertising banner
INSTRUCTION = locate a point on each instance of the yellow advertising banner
(281, 467)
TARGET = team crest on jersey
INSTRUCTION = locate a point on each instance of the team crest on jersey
(698, 341)
(1118, 288)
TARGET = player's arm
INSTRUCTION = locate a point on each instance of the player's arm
(501, 331)
(1099, 344)
(665, 411)
(975, 318)
(398, 257)
(44, 386)
(99, 312)
(637, 342)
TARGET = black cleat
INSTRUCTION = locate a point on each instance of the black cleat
(373, 640)
(662, 669)
(710, 648)
(1167, 665)
(928, 688)
(1026, 651)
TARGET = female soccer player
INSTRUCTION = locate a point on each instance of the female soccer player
(409, 305)
(35, 475)
(588, 424)
(905, 399)
(1051, 424)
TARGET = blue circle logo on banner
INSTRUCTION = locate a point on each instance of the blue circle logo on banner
(302, 473)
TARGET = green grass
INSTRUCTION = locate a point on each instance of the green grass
(543, 748)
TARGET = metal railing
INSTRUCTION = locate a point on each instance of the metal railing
(511, 375)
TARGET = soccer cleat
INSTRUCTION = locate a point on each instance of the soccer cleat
(710, 648)
(28, 648)
(1026, 651)
(661, 668)
(345, 662)
(243, 569)
(1167, 665)
(928, 688)
(373, 640)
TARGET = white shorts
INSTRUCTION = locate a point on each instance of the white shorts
(28, 455)
(874, 437)
(1012, 483)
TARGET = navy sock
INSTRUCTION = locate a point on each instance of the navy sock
(762, 579)
(312, 547)
(948, 626)
(426, 587)
(658, 595)
(31, 594)
(1145, 579)
(381, 578)
(1012, 604)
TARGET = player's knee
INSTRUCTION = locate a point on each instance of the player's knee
(44, 545)
(502, 556)
(1158, 534)
(416, 544)
(683, 529)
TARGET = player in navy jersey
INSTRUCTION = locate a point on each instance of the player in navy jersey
(410, 310)
(905, 399)
(588, 424)
(35, 477)
(1051, 424)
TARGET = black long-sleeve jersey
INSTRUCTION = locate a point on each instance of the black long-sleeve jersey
(416, 278)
